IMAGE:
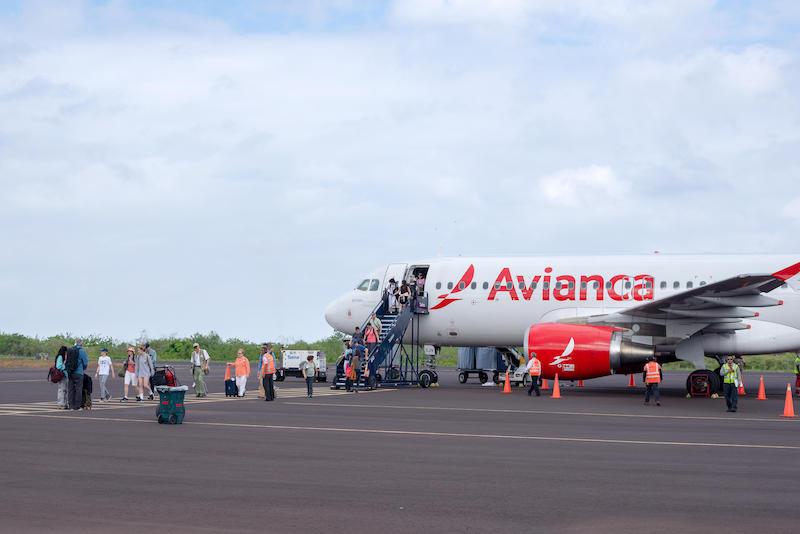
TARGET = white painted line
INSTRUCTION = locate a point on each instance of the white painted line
(21, 380)
(545, 412)
(440, 434)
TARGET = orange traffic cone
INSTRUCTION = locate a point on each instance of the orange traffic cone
(507, 386)
(545, 385)
(762, 394)
(631, 383)
(788, 405)
(580, 383)
(741, 388)
(556, 389)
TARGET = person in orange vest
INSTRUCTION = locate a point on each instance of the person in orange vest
(652, 377)
(242, 367)
(268, 374)
(535, 369)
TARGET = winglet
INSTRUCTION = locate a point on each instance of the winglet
(789, 272)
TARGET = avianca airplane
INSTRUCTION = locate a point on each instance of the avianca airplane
(587, 317)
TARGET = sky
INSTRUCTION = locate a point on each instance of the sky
(181, 167)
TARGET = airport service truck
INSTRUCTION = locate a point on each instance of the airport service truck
(292, 360)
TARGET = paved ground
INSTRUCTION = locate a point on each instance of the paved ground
(458, 458)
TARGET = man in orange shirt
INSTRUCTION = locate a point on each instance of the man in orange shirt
(535, 369)
(268, 374)
(652, 378)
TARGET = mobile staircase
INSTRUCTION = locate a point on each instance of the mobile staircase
(394, 363)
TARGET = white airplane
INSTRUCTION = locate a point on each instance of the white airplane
(587, 317)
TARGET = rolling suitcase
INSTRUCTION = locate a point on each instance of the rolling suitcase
(230, 385)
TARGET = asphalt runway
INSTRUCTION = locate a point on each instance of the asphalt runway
(457, 458)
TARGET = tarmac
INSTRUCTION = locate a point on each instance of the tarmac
(456, 458)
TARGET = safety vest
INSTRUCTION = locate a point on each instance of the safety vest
(267, 364)
(732, 375)
(653, 375)
(536, 367)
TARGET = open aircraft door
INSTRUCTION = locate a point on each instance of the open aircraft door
(396, 271)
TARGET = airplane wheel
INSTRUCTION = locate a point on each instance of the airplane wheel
(462, 377)
(713, 379)
(425, 379)
(483, 377)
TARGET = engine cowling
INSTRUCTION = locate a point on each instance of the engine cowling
(579, 352)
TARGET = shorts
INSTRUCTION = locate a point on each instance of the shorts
(130, 378)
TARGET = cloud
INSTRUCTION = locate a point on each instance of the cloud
(583, 186)
(241, 167)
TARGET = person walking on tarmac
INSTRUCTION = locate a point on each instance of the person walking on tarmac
(535, 369)
(652, 377)
(268, 374)
(797, 374)
(731, 378)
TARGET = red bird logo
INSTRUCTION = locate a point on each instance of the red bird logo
(447, 298)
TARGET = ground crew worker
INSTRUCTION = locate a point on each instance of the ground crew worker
(731, 378)
(535, 369)
(797, 374)
(268, 374)
(652, 377)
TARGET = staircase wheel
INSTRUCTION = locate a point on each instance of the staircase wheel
(372, 382)
(462, 377)
(425, 379)
(435, 377)
(483, 377)
(496, 377)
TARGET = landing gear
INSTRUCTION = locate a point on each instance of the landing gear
(425, 379)
(695, 383)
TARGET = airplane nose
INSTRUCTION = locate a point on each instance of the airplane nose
(331, 313)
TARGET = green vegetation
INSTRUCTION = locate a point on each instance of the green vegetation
(169, 349)
(179, 349)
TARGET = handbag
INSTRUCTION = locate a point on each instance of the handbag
(55, 375)
(122, 369)
(351, 374)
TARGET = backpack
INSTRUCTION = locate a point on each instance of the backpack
(73, 359)
(55, 375)
(87, 384)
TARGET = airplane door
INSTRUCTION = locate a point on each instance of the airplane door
(396, 271)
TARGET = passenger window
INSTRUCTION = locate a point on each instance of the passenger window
(438, 285)
(497, 285)
(627, 285)
(374, 285)
(702, 283)
(522, 285)
(676, 285)
(461, 285)
(546, 286)
(534, 285)
(663, 285)
(572, 285)
(648, 284)
(596, 285)
(486, 285)
(608, 285)
(449, 285)
(689, 285)
(583, 285)
(363, 286)
(510, 285)
(474, 285)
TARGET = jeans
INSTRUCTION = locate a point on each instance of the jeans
(731, 396)
(534, 385)
(199, 380)
(310, 385)
(104, 394)
(75, 391)
(652, 389)
(61, 398)
(269, 387)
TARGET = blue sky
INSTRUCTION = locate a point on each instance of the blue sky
(189, 166)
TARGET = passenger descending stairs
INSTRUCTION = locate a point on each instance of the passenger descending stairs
(393, 328)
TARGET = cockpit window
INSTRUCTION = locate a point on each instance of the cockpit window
(374, 285)
(363, 286)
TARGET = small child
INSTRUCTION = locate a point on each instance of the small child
(104, 369)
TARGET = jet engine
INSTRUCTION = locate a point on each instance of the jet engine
(578, 352)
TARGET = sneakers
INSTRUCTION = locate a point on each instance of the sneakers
(150, 397)
(139, 399)
(124, 399)
(658, 404)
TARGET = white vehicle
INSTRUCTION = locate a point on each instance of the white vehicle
(291, 361)
(587, 317)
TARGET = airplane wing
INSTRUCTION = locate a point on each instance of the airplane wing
(719, 307)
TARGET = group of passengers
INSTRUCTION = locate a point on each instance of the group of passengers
(74, 386)
(400, 296)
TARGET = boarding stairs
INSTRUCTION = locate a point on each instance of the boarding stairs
(392, 363)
